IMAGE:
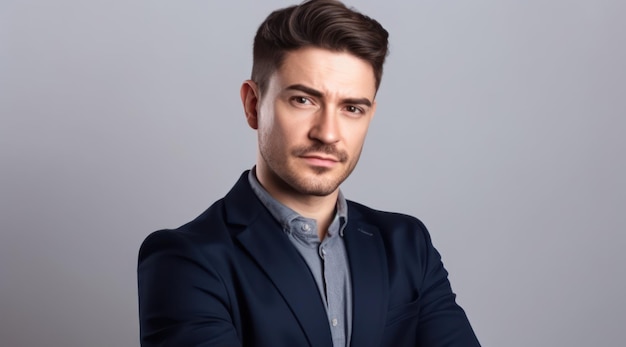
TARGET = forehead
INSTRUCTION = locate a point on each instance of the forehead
(328, 71)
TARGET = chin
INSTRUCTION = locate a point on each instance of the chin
(317, 186)
(317, 190)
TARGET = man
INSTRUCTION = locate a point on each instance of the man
(283, 259)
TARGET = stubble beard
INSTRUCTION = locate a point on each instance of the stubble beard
(286, 174)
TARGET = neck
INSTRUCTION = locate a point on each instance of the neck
(320, 208)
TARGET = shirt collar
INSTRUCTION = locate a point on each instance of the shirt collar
(285, 215)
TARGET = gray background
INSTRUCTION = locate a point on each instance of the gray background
(500, 124)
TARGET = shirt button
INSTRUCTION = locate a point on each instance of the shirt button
(306, 227)
(334, 322)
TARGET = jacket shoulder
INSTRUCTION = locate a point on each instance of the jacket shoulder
(383, 219)
(207, 228)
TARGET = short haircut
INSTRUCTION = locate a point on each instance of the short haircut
(324, 24)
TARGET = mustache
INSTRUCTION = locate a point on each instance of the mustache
(331, 150)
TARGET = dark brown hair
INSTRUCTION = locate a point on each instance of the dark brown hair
(325, 24)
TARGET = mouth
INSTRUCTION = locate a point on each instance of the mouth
(320, 160)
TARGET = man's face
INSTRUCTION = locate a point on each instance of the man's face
(312, 121)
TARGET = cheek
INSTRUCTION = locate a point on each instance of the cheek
(357, 138)
(273, 136)
(286, 130)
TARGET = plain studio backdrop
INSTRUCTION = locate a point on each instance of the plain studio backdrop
(500, 124)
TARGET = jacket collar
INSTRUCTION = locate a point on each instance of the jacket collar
(264, 240)
(368, 267)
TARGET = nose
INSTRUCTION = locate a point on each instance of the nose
(325, 128)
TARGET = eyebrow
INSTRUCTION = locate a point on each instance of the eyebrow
(316, 93)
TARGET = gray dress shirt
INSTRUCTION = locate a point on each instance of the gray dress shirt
(327, 258)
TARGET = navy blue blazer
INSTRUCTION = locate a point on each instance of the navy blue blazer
(231, 277)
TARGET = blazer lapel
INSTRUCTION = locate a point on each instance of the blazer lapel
(265, 241)
(368, 268)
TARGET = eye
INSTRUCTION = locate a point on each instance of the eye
(301, 100)
(355, 110)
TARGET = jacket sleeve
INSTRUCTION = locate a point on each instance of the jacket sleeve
(182, 299)
(442, 321)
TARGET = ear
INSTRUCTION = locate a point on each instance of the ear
(250, 99)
